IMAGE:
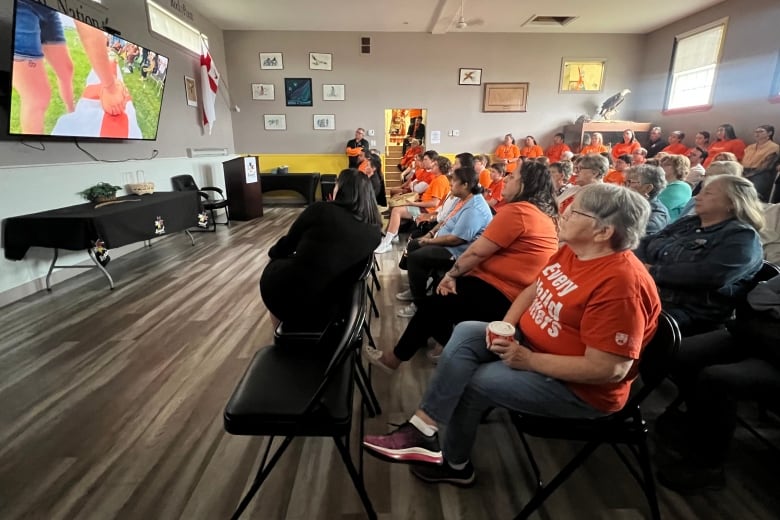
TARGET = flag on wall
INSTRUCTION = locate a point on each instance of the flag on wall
(209, 83)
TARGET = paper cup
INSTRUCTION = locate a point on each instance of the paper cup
(500, 329)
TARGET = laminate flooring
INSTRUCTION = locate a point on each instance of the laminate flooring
(111, 407)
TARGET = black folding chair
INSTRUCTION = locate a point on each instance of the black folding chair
(626, 427)
(302, 392)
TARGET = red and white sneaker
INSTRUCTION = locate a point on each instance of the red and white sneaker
(405, 444)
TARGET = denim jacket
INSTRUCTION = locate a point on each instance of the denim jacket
(702, 272)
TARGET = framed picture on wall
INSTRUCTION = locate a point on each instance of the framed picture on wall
(263, 91)
(271, 61)
(320, 61)
(190, 91)
(333, 92)
(505, 97)
(582, 74)
(324, 122)
(470, 77)
(297, 92)
(275, 122)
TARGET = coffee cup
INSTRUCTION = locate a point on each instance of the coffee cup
(500, 329)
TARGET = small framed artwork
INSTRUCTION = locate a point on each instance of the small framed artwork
(582, 74)
(505, 97)
(263, 91)
(271, 61)
(275, 121)
(297, 92)
(191, 91)
(470, 77)
(320, 61)
(333, 92)
(324, 122)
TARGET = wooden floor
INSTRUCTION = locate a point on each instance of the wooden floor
(111, 407)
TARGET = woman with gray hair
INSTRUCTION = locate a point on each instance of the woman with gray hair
(589, 169)
(649, 181)
(582, 326)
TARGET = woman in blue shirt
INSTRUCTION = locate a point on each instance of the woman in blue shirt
(677, 192)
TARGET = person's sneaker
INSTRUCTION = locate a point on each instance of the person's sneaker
(396, 239)
(405, 296)
(374, 356)
(407, 311)
(385, 246)
(434, 354)
(687, 479)
(405, 444)
(444, 474)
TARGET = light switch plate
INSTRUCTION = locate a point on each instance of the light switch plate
(370, 132)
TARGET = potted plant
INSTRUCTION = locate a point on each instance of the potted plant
(100, 192)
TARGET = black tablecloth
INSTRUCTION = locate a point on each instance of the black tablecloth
(77, 227)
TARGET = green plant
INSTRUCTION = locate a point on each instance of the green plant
(101, 190)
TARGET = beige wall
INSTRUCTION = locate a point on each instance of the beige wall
(744, 77)
(419, 70)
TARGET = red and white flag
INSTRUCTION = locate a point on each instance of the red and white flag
(209, 83)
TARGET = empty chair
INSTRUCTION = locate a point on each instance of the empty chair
(211, 202)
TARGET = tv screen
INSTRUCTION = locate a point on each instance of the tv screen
(70, 79)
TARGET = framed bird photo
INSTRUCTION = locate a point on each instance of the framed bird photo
(582, 75)
(470, 77)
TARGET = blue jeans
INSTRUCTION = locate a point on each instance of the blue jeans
(471, 379)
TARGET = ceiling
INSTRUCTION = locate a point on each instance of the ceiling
(442, 16)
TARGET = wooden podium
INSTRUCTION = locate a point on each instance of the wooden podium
(611, 130)
(245, 198)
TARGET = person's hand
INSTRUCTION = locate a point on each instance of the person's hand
(113, 98)
(513, 354)
(446, 286)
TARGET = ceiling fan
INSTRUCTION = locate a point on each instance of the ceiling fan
(462, 23)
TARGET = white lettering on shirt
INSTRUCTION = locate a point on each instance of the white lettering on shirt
(545, 311)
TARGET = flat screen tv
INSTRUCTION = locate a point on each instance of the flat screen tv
(70, 79)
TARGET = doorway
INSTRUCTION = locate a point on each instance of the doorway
(397, 121)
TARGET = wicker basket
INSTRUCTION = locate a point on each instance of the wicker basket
(141, 188)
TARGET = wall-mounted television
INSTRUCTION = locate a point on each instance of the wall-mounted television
(70, 79)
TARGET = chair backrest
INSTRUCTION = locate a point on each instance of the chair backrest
(184, 183)
(767, 272)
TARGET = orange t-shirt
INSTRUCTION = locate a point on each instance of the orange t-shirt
(362, 167)
(508, 152)
(676, 149)
(735, 146)
(494, 191)
(484, 178)
(594, 149)
(615, 177)
(409, 156)
(608, 303)
(555, 151)
(438, 188)
(532, 151)
(423, 175)
(624, 149)
(527, 238)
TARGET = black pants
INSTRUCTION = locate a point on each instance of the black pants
(437, 315)
(715, 371)
(421, 262)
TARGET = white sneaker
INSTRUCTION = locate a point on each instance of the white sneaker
(407, 311)
(385, 246)
(405, 296)
(374, 356)
(396, 239)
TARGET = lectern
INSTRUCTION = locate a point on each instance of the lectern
(245, 198)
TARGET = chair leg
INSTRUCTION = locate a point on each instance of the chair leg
(374, 408)
(373, 304)
(213, 221)
(370, 337)
(356, 480)
(649, 479)
(262, 473)
(374, 275)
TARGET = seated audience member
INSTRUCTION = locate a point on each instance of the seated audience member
(439, 248)
(589, 170)
(724, 156)
(676, 145)
(654, 142)
(431, 199)
(408, 176)
(414, 150)
(574, 356)
(715, 371)
(696, 155)
(627, 146)
(493, 193)
(561, 174)
(373, 170)
(617, 175)
(715, 168)
(481, 163)
(759, 161)
(326, 248)
(596, 145)
(639, 157)
(555, 151)
(727, 142)
(649, 181)
(490, 274)
(677, 192)
(508, 153)
(702, 263)
(702, 140)
(464, 160)
(531, 150)
(770, 233)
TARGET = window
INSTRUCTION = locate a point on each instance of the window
(169, 26)
(694, 66)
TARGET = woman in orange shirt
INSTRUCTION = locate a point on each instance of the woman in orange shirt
(596, 145)
(508, 153)
(676, 146)
(727, 142)
(628, 146)
(481, 163)
(493, 193)
(531, 150)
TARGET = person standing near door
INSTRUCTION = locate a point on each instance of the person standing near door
(416, 131)
(355, 146)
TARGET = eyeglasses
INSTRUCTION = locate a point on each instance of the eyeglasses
(568, 214)
(631, 182)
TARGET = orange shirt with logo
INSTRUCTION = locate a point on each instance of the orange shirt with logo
(625, 149)
(438, 188)
(527, 238)
(608, 303)
(615, 177)
(555, 152)
(508, 152)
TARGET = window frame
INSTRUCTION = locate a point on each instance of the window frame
(670, 81)
(156, 4)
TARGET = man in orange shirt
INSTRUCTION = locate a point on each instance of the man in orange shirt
(617, 176)
(676, 146)
(508, 153)
(555, 151)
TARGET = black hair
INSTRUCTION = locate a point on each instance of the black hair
(431, 154)
(532, 139)
(511, 137)
(468, 176)
(705, 133)
(537, 188)
(729, 131)
(356, 195)
(626, 158)
(560, 134)
(466, 159)
(704, 153)
(770, 130)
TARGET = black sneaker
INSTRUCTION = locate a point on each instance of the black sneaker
(687, 479)
(445, 474)
(406, 444)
